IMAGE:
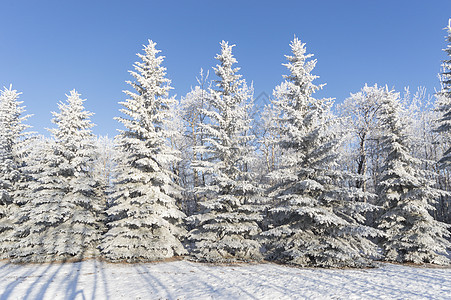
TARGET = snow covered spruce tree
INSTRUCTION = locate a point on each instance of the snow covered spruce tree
(13, 144)
(227, 221)
(405, 194)
(443, 128)
(144, 222)
(444, 99)
(63, 216)
(314, 218)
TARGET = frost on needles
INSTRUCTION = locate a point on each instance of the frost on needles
(406, 191)
(314, 218)
(226, 225)
(13, 147)
(62, 216)
(405, 194)
(285, 184)
(144, 222)
(444, 101)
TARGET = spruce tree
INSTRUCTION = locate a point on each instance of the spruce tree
(144, 222)
(444, 99)
(405, 194)
(62, 218)
(227, 221)
(13, 147)
(314, 219)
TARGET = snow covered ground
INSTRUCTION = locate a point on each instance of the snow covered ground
(186, 280)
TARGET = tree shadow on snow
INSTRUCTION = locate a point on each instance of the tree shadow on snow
(7, 269)
(172, 276)
(92, 271)
(99, 275)
(152, 283)
(15, 281)
(71, 282)
(227, 287)
(46, 285)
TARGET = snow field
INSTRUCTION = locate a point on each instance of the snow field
(93, 279)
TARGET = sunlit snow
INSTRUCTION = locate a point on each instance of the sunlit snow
(186, 280)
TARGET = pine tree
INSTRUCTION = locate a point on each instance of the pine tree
(13, 147)
(315, 221)
(63, 216)
(444, 97)
(145, 223)
(227, 221)
(412, 234)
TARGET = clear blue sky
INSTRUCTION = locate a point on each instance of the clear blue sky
(48, 48)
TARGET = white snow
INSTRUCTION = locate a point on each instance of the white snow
(92, 279)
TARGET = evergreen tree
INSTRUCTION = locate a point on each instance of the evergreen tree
(427, 145)
(227, 222)
(13, 146)
(444, 97)
(412, 234)
(315, 220)
(442, 127)
(63, 214)
(145, 223)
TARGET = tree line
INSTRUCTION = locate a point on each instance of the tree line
(213, 177)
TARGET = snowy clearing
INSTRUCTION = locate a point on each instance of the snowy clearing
(187, 280)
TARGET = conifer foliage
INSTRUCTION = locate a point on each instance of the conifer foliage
(444, 98)
(278, 184)
(405, 194)
(62, 216)
(228, 218)
(310, 225)
(144, 222)
(13, 141)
